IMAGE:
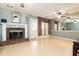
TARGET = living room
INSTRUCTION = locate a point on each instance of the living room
(38, 28)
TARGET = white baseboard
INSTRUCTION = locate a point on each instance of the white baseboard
(58, 37)
(51, 36)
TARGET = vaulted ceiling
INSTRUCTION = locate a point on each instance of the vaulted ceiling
(47, 10)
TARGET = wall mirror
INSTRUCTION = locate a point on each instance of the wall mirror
(16, 17)
(70, 23)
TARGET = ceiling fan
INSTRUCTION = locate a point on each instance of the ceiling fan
(62, 14)
(22, 5)
(15, 5)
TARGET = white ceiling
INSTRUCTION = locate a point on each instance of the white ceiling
(47, 10)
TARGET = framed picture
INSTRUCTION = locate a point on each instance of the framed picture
(16, 17)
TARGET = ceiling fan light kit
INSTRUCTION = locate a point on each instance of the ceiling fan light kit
(22, 5)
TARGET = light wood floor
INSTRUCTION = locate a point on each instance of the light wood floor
(39, 47)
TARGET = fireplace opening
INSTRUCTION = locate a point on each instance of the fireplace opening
(15, 33)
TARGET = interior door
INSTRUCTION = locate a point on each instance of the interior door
(33, 28)
(44, 28)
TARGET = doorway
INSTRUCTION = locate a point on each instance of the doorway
(44, 28)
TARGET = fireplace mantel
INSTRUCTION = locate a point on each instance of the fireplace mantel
(12, 25)
(9, 26)
(16, 25)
